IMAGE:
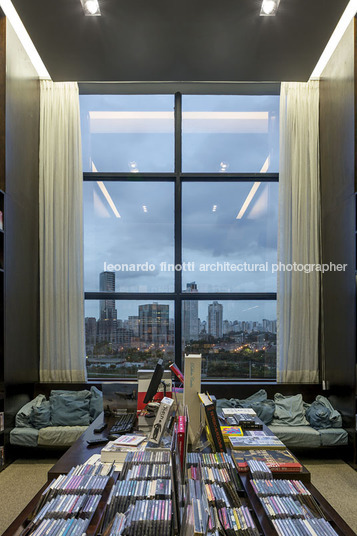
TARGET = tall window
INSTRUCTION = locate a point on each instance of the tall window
(180, 232)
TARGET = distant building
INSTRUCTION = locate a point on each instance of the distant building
(227, 327)
(190, 327)
(91, 332)
(107, 307)
(215, 319)
(133, 325)
(154, 323)
(107, 324)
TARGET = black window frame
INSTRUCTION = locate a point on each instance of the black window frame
(178, 178)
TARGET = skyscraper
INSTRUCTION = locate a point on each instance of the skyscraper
(215, 319)
(154, 323)
(190, 315)
(107, 323)
(107, 307)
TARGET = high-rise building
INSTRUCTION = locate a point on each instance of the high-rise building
(154, 323)
(91, 332)
(133, 325)
(227, 327)
(190, 328)
(215, 319)
(107, 307)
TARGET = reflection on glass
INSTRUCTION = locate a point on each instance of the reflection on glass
(129, 230)
(237, 339)
(124, 336)
(230, 133)
(229, 236)
(127, 133)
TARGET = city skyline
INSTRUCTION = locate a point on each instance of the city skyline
(242, 310)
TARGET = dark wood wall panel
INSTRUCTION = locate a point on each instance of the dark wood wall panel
(337, 145)
(22, 143)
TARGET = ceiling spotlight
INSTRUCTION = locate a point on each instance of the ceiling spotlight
(91, 8)
(214, 208)
(269, 8)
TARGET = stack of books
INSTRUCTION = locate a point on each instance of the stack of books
(116, 451)
(276, 460)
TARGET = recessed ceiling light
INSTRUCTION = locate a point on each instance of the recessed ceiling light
(91, 8)
(269, 8)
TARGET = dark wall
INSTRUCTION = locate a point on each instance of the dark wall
(337, 147)
(21, 215)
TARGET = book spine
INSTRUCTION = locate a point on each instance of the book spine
(181, 437)
(215, 428)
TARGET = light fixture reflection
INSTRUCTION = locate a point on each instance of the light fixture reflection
(223, 167)
(133, 167)
(269, 8)
(91, 8)
(253, 190)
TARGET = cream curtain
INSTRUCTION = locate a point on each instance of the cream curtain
(62, 350)
(299, 233)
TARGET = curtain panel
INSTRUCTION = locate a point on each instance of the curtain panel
(62, 349)
(299, 234)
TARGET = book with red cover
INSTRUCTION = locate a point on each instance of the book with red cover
(276, 460)
(181, 437)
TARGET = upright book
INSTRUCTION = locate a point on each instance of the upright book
(214, 427)
(192, 387)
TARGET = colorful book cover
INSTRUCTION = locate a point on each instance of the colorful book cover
(276, 460)
(231, 431)
(248, 442)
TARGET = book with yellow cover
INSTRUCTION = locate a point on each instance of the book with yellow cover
(231, 431)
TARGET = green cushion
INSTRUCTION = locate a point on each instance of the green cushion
(96, 403)
(22, 419)
(69, 409)
(289, 410)
(41, 415)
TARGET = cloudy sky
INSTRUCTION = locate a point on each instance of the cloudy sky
(211, 232)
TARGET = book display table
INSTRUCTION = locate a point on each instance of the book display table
(80, 452)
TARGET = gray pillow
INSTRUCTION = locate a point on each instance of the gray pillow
(289, 411)
(322, 415)
(69, 410)
(78, 394)
(41, 415)
(96, 403)
(22, 419)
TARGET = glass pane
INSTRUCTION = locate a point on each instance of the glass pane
(230, 133)
(127, 133)
(123, 336)
(229, 236)
(237, 339)
(128, 230)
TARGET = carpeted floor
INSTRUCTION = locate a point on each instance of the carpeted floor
(337, 482)
(19, 482)
(22, 480)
